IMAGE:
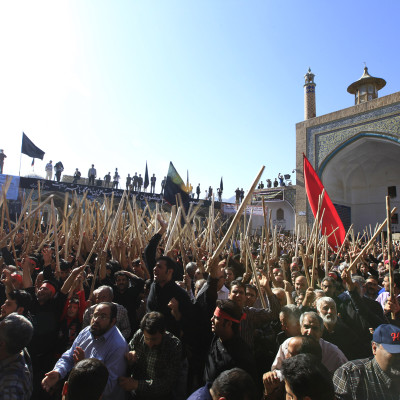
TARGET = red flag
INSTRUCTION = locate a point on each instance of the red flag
(331, 219)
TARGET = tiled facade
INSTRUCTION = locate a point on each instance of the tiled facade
(322, 137)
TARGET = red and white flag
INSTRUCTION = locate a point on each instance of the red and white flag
(331, 219)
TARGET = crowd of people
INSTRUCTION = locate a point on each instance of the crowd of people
(144, 319)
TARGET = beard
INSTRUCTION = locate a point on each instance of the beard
(329, 319)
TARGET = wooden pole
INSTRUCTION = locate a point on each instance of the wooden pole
(389, 248)
(236, 218)
(367, 246)
(53, 212)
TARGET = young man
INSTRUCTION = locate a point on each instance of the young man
(86, 381)
(228, 349)
(306, 379)
(155, 360)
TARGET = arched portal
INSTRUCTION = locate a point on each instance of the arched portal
(358, 174)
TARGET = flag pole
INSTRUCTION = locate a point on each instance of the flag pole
(20, 157)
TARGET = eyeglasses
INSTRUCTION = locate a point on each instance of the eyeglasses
(101, 316)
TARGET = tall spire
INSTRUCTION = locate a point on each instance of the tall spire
(309, 95)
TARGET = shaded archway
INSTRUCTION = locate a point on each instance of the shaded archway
(358, 174)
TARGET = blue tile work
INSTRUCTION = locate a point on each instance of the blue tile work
(323, 139)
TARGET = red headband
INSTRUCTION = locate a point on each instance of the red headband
(222, 314)
(17, 277)
(50, 287)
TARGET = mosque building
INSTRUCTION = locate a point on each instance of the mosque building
(355, 152)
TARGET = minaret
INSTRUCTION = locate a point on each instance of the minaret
(366, 88)
(309, 95)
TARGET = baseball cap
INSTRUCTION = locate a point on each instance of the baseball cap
(389, 337)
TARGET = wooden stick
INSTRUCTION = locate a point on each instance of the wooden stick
(364, 250)
(53, 212)
(236, 218)
(341, 247)
(256, 278)
(18, 225)
(389, 248)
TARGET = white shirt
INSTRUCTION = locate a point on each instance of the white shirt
(332, 356)
(223, 293)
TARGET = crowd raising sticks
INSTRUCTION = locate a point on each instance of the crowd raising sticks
(114, 301)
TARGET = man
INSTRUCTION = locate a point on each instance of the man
(86, 381)
(135, 182)
(107, 180)
(153, 184)
(49, 170)
(222, 290)
(289, 318)
(358, 311)
(300, 286)
(312, 325)
(383, 297)
(17, 301)
(155, 359)
(251, 295)
(297, 345)
(92, 174)
(163, 182)
(373, 378)
(170, 299)
(371, 287)
(128, 181)
(228, 349)
(230, 274)
(306, 378)
(105, 294)
(139, 182)
(59, 168)
(127, 291)
(102, 340)
(2, 157)
(337, 332)
(77, 176)
(255, 317)
(232, 384)
(15, 366)
(116, 179)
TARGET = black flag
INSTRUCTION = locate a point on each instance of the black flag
(146, 178)
(221, 185)
(173, 186)
(30, 149)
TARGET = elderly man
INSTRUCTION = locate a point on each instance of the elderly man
(373, 378)
(102, 340)
(105, 294)
(15, 366)
(312, 325)
(297, 345)
(337, 332)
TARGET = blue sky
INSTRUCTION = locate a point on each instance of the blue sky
(214, 86)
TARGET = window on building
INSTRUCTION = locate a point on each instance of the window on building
(280, 215)
(395, 219)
